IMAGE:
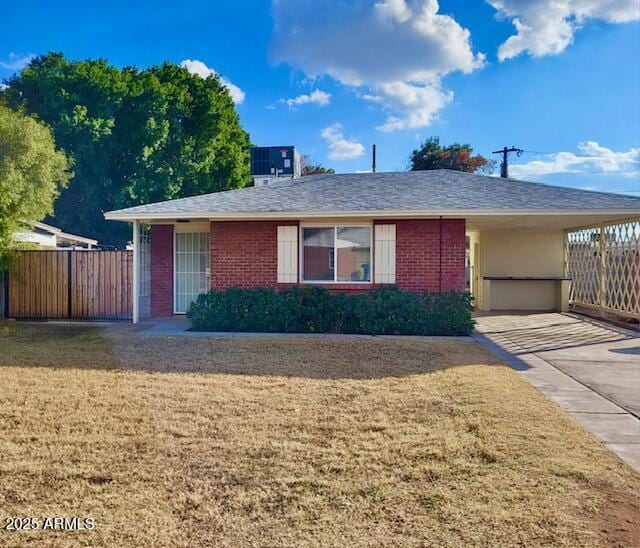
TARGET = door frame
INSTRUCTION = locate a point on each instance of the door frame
(190, 227)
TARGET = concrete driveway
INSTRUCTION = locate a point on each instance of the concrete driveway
(590, 369)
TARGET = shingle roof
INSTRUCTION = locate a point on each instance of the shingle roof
(437, 190)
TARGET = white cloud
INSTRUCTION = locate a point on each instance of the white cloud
(593, 159)
(418, 105)
(198, 67)
(320, 98)
(546, 27)
(341, 148)
(17, 61)
(398, 51)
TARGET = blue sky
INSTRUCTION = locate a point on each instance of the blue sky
(561, 82)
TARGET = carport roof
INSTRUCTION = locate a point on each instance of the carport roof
(437, 192)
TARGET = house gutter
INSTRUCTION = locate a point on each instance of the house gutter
(124, 215)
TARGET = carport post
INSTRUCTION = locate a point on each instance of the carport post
(136, 271)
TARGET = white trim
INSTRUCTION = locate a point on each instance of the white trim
(136, 272)
(378, 214)
(173, 272)
(574, 228)
(46, 227)
(335, 259)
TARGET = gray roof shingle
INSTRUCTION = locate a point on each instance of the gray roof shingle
(437, 190)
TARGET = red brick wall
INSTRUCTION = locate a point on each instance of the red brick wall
(245, 253)
(454, 246)
(161, 270)
(418, 254)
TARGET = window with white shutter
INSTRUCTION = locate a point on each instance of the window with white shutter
(385, 254)
(287, 254)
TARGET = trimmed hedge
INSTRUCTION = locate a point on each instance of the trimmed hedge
(309, 309)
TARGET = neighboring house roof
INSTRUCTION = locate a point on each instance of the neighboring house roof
(54, 236)
(420, 192)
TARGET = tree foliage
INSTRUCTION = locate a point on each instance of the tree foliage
(432, 155)
(309, 167)
(134, 136)
(32, 172)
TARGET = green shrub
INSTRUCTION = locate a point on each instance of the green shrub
(311, 309)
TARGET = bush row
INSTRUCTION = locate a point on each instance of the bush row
(387, 311)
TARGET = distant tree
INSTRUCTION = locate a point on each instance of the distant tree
(309, 167)
(431, 155)
(32, 172)
(133, 136)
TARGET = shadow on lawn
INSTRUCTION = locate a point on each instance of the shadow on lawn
(290, 356)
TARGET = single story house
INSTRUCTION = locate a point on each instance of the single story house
(420, 230)
(45, 236)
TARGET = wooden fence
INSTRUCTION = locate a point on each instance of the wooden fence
(71, 284)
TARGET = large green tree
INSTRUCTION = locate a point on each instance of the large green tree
(432, 155)
(32, 172)
(134, 136)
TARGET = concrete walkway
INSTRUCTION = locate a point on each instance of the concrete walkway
(590, 369)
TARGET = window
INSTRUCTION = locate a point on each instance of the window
(336, 254)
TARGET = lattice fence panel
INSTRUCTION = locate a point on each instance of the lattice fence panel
(583, 259)
(604, 264)
(622, 267)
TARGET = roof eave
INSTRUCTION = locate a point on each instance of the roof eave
(123, 215)
(75, 238)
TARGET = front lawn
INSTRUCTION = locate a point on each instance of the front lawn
(293, 441)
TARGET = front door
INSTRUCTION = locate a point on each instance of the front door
(192, 268)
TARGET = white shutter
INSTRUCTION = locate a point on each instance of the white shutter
(287, 254)
(385, 254)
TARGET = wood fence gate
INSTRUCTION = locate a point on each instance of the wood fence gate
(71, 284)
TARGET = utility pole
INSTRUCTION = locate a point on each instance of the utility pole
(373, 165)
(504, 166)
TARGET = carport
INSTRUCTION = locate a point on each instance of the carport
(543, 262)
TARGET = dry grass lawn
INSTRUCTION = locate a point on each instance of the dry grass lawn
(296, 441)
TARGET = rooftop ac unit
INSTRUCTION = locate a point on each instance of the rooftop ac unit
(271, 163)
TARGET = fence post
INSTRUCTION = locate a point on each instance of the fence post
(69, 284)
(601, 270)
(3, 294)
